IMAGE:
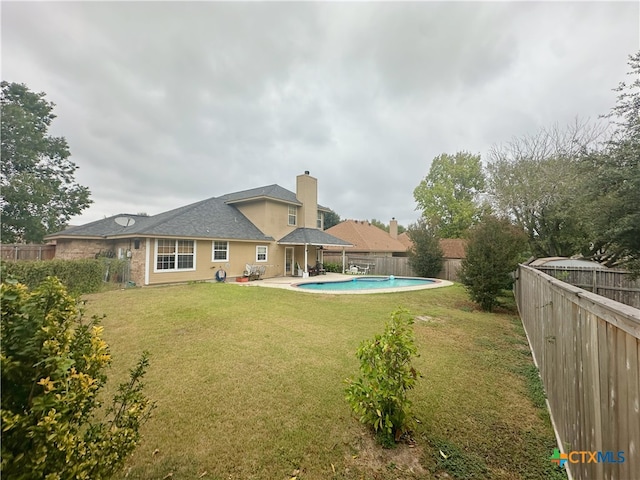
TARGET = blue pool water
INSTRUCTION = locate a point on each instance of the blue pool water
(367, 283)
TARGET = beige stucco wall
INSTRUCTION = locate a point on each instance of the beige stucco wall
(240, 254)
(307, 194)
(270, 217)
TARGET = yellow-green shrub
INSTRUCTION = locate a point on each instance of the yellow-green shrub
(53, 364)
(379, 397)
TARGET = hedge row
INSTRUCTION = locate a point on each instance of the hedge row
(78, 276)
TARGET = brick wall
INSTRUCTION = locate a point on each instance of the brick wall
(71, 249)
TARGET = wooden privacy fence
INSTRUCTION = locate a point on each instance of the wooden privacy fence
(398, 266)
(617, 285)
(587, 350)
(21, 251)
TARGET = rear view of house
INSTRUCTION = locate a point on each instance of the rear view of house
(268, 226)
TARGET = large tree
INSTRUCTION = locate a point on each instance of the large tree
(539, 182)
(331, 218)
(614, 186)
(39, 192)
(449, 196)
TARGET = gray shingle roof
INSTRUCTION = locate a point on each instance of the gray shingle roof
(312, 236)
(275, 192)
(211, 218)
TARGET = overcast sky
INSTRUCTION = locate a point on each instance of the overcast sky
(167, 103)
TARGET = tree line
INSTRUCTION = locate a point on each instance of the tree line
(561, 191)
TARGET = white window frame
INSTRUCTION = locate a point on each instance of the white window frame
(320, 223)
(294, 209)
(176, 254)
(214, 250)
(258, 253)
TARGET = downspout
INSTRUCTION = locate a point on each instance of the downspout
(147, 263)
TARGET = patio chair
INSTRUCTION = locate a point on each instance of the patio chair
(320, 269)
(259, 271)
(252, 272)
(312, 271)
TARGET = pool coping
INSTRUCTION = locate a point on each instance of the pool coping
(291, 283)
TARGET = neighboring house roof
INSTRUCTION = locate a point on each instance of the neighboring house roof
(211, 218)
(366, 237)
(451, 247)
(405, 240)
(312, 236)
(566, 262)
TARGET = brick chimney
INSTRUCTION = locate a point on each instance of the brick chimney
(393, 228)
(307, 194)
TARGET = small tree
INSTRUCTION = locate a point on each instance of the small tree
(52, 372)
(494, 249)
(425, 256)
(379, 397)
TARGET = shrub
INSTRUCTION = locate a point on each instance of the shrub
(425, 256)
(333, 267)
(494, 249)
(53, 366)
(78, 276)
(379, 396)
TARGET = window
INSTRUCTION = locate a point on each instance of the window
(220, 251)
(320, 220)
(175, 254)
(293, 213)
(261, 253)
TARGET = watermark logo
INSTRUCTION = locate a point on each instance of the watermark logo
(585, 456)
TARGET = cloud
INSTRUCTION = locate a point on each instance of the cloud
(166, 103)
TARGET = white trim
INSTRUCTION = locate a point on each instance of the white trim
(295, 215)
(266, 256)
(214, 260)
(292, 267)
(147, 262)
(173, 270)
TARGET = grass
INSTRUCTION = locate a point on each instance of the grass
(249, 384)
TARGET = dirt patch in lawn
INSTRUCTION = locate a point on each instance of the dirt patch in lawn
(367, 455)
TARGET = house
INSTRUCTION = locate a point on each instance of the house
(269, 226)
(368, 240)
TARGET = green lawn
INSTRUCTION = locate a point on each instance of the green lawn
(249, 384)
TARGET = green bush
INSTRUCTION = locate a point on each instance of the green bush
(425, 257)
(379, 397)
(333, 267)
(78, 276)
(53, 365)
(494, 249)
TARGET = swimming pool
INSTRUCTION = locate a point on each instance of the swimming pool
(368, 284)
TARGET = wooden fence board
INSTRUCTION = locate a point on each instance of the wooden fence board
(587, 350)
(617, 285)
(19, 251)
(398, 266)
